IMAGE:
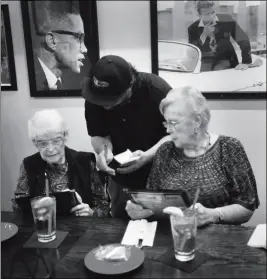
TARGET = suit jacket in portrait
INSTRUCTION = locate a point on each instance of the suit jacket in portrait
(225, 28)
(40, 78)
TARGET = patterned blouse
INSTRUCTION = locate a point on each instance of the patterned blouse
(58, 181)
(223, 173)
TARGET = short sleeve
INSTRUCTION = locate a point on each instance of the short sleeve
(243, 189)
(96, 120)
(160, 89)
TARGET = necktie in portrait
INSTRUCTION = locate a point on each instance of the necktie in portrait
(213, 44)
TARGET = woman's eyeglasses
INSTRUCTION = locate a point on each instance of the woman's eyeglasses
(172, 123)
(42, 144)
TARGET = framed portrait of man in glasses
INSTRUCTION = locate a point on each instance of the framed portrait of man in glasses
(61, 39)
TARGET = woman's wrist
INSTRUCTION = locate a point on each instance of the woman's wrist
(218, 215)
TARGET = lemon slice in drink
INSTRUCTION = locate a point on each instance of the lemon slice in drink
(43, 202)
(172, 210)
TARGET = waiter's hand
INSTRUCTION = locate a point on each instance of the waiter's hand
(104, 158)
(141, 160)
(136, 211)
(241, 67)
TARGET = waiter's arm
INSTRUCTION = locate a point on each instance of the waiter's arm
(152, 151)
(98, 129)
(99, 143)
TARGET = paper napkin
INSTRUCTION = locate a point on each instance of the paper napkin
(258, 238)
(140, 229)
(125, 157)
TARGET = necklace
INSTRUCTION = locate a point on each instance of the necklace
(198, 170)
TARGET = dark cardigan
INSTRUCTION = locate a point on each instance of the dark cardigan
(81, 177)
(79, 173)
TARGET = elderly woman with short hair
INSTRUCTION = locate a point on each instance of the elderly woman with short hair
(197, 158)
(65, 168)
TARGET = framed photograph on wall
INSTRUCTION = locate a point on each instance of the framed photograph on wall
(218, 47)
(61, 39)
(8, 70)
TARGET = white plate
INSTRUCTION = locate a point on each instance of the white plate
(8, 230)
(135, 260)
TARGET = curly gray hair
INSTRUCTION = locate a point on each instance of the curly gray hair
(45, 121)
(194, 99)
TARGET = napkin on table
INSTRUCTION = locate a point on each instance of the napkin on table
(140, 229)
(258, 238)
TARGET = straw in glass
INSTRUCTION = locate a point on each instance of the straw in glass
(50, 213)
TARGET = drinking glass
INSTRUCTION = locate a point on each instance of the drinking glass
(44, 215)
(184, 229)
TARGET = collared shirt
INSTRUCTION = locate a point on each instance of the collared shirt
(50, 77)
(202, 38)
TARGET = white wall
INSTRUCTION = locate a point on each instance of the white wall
(124, 29)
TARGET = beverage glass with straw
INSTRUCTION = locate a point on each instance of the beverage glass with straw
(184, 230)
(44, 215)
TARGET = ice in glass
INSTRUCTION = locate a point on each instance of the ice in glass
(44, 215)
(184, 229)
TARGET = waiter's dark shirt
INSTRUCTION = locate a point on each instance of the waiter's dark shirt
(136, 125)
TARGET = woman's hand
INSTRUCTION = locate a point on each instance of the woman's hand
(82, 209)
(141, 159)
(206, 215)
(136, 211)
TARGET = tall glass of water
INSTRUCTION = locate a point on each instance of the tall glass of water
(44, 215)
(184, 229)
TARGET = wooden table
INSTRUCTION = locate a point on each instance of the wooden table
(227, 244)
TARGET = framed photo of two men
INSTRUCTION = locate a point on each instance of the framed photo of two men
(61, 39)
(217, 46)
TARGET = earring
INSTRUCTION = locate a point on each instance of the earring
(196, 131)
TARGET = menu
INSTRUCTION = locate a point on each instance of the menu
(158, 200)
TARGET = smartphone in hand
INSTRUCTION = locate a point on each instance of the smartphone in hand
(65, 201)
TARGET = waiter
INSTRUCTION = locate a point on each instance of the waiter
(122, 112)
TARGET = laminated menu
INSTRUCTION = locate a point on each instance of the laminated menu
(158, 200)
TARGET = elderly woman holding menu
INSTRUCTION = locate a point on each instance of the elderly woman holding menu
(217, 164)
(65, 168)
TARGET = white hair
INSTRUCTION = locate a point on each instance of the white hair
(193, 99)
(45, 121)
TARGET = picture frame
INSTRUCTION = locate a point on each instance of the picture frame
(61, 39)
(224, 84)
(8, 69)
